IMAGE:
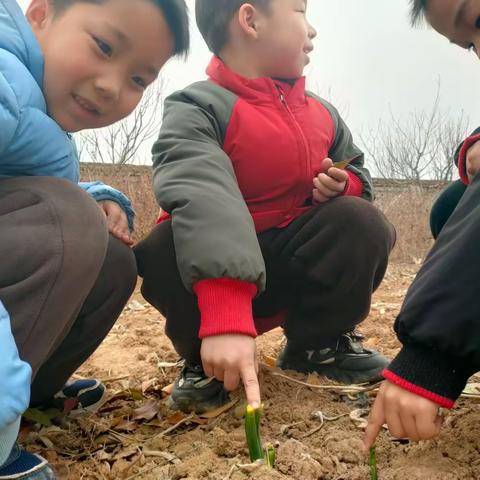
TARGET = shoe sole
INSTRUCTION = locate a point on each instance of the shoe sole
(334, 373)
(188, 405)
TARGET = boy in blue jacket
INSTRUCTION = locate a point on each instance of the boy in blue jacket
(66, 65)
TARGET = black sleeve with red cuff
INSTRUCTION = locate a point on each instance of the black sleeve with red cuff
(429, 373)
(461, 154)
(439, 322)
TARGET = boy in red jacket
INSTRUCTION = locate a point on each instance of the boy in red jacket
(263, 230)
(438, 324)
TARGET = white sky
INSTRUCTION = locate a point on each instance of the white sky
(368, 59)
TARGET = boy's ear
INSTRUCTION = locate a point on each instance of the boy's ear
(38, 14)
(247, 18)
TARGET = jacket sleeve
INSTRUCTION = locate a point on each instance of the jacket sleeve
(194, 181)
(99, 191)
(15, 374)
(461, 154)
(438, 324)
(9, 114)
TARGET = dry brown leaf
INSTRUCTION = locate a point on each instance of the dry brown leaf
(126, 453)
(270, 362)
(167, 390)
(150, 385)
(218, 411)
(313, 379)
(125, 426)
(147, 411)
(176, 417)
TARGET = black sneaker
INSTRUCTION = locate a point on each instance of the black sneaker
(77, 397)
(346, 362)
(193, 391)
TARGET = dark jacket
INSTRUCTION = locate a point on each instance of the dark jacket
(439, 322)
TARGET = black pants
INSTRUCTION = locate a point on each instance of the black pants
(64, 281)
(445, 205)
(321, 271)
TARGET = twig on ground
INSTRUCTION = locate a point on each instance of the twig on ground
(334, 388)
(174, 427)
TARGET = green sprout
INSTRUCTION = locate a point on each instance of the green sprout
(257, 451)
(373, 463)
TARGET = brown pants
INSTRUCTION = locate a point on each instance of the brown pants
(63, 279)
(321, 272)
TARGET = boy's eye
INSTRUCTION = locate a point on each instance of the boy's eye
(104, 47)
(477, 23)
(140, 82)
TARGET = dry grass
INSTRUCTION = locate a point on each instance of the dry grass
(407, 207)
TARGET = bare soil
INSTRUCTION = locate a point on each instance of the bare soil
(135, 435)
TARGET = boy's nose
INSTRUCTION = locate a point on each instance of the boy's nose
(108, 87)
(312, 33)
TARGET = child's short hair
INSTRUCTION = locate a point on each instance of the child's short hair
(417, 10)
(174, 11)
(213, 18)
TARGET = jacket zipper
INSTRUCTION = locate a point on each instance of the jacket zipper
(301, 135)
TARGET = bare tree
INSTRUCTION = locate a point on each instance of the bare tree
(419, 147)
(120, 143)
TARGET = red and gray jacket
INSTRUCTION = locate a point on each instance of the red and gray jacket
(439, 322)
(236, 157)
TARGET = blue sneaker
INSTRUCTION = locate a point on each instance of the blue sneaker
(26, 466)
(78, 396)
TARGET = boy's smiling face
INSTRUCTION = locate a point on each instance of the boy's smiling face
(99, 58)
(458, 20)
(285, 39)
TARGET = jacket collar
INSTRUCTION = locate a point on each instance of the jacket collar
(256, 90)
(17, 37)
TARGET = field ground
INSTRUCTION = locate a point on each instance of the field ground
(135, 436)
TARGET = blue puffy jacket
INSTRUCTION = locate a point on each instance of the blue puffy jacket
(15, 375)
(31, 144)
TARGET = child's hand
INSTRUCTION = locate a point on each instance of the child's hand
(407, 415)
(330, 183)
(117, 221)
(473, 160)
(231, 358)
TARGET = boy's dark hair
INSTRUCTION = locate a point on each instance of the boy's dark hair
(417, 10)
(174, 11)
(214, 16)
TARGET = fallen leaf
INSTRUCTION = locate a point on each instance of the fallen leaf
(147, 411)
(472, 389)
(176, 417)
(37, 416)
(313, 379)
(167, 390)
(270, 362)
(218, 411)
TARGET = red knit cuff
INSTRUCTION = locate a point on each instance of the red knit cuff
(225, 306)
(434, 397)
(162, 216)
(462, 157)
(354, 186)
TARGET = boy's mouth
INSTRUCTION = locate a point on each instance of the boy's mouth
(87, 105)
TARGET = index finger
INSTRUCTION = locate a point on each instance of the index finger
(375, 422)
(252, 388)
